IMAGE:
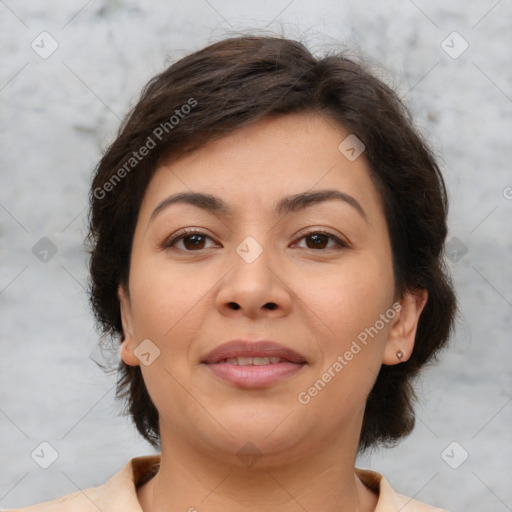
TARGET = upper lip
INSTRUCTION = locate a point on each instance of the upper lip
(244, 348)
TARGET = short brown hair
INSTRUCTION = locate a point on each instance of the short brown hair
(238, 81)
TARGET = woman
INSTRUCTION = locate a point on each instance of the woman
(267, 238)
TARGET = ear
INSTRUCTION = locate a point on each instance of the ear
(403, 332)
(128, 343)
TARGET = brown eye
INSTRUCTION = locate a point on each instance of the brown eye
(192, 241)
(320, 240)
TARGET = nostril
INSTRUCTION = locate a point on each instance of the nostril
(271, 305)
(234, 305)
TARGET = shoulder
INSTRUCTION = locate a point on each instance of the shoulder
(80, 501)
(117, 493)
(388, 499)
(407, 504)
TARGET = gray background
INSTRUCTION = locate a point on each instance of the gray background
(57, 115)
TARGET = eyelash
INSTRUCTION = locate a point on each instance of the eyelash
(190, 232)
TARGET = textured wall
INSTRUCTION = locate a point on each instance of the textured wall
(59, 110)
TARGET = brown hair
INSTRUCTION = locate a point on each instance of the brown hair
(234, 82)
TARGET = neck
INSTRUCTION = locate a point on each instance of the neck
(191, 480)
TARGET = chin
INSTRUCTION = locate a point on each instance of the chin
(264, 430)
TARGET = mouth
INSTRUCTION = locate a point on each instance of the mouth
(253, 361)
(253, 364)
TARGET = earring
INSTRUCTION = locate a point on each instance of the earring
(400, 354)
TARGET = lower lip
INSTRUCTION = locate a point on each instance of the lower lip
(254, 376)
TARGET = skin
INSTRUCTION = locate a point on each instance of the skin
(324, 295)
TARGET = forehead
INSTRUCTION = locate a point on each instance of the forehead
(257, 165)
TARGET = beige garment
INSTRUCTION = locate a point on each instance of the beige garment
(118, 493)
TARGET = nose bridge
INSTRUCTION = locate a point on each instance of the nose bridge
(252, 285)
(250, 250)
(252, 264)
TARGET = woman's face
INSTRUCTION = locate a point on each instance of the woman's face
(313, 276)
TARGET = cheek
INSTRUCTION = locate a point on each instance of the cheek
(356, 311)
(351, 358)
(163, 298)
(354, 297)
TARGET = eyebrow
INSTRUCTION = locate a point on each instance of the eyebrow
(286, 205)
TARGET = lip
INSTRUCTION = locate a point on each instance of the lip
(253, 376)
(244, 348)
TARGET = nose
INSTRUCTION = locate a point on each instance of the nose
(254, 288)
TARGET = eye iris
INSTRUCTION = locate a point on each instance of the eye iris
(196, 238)
(320, 239)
